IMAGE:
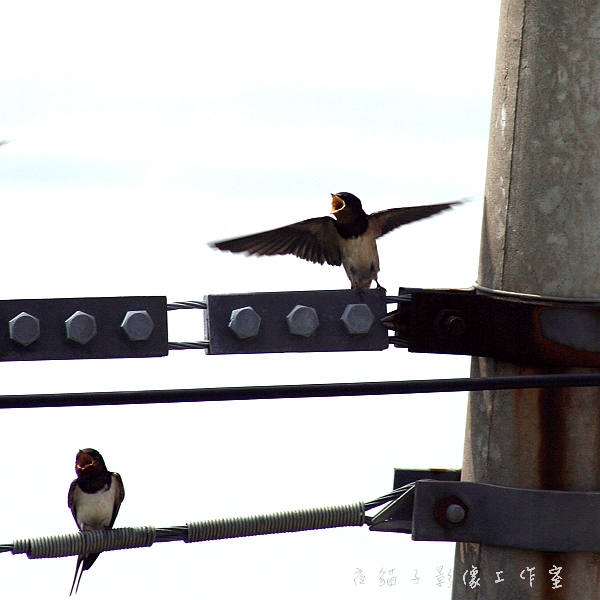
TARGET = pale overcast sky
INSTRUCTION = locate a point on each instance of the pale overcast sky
(141, 131)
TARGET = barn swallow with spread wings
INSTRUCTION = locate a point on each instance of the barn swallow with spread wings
(349, 239)
(94, 499)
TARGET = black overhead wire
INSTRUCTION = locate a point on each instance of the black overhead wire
(319, 390)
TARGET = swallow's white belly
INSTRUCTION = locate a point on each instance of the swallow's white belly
(360, 258)
(94, 511)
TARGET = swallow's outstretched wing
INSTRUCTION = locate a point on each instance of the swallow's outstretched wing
(315, 240)
(390, 219)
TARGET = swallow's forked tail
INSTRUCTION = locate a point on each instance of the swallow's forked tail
(85, 562)
(75, 579)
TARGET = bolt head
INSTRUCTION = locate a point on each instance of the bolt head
(244, 322)
(137, 325)
(455, 513)
(450, 512)
(450, 323)
(80, 327)
(302, 320)
(357, 318)
(454, 325)
(24, 329)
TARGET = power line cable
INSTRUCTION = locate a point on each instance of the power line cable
(319, 390)
(85, 542)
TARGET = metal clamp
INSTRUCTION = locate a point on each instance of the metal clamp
(527, 331)
(83, 328)
(315, 321)
(396, 516)
(546, 520)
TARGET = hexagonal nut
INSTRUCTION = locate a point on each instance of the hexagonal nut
(302, 320)
(137, 325)
(24, 329)
(357, 318)
(244, 322)
(80, 327)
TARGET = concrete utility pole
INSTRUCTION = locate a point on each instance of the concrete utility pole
(541, 235)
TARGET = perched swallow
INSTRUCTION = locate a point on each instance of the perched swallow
(94, 499)
(349, 239)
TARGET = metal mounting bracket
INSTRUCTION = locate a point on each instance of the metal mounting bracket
(397, 516)
(83, 328)
(315, 321)
(517, 330)
(546, 520)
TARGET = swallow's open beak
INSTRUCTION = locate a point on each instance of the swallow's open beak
(337, 204)
(84, 461)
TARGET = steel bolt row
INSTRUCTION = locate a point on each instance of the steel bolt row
(80, 327)
(301, 320)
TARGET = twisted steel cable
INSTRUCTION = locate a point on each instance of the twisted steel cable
(190, 304)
